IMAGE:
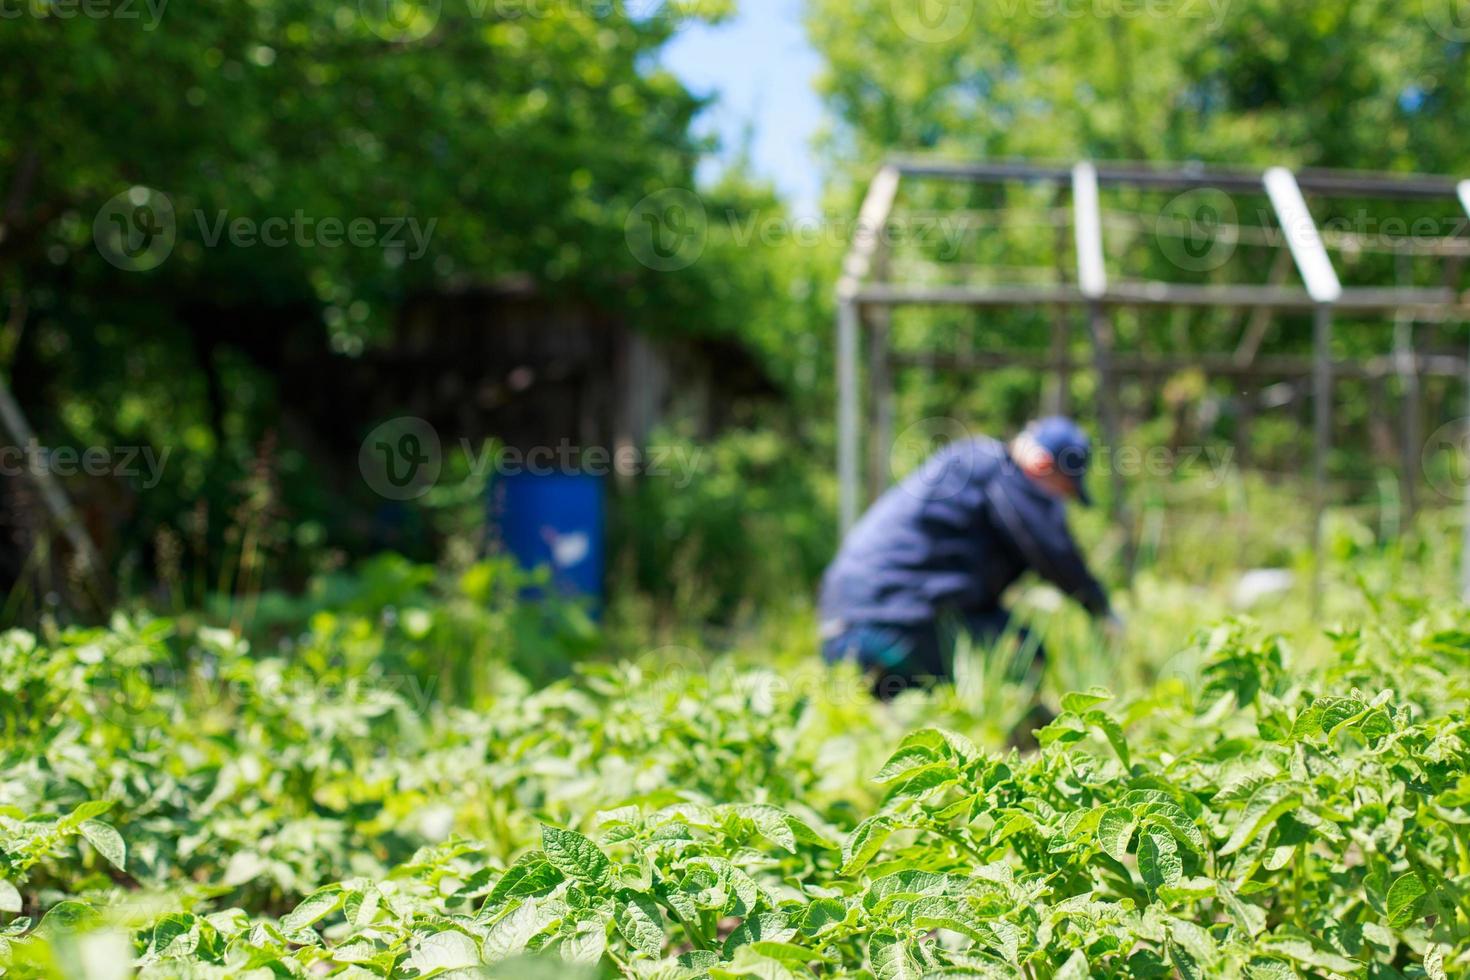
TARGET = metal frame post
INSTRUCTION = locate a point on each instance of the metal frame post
(1411, 436)
(880, 400)
(1463, 191)
(1320, 279)
(847, 413)
(1465, 532)
(1092, 280)
(1322, 437)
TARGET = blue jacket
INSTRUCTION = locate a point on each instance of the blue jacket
(952, 537)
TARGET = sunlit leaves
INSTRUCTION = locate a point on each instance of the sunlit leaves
(1214, 853)
(575, 856)
(1405, 896)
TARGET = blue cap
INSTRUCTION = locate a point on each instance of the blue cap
(1071, 450)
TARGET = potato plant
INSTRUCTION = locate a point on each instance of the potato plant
(172, 808)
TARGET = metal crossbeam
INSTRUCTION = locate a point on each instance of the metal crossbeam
(1326, 183)
(1425, 302)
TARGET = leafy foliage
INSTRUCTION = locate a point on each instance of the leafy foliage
(728, 822)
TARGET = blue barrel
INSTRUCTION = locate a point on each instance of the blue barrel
(553, 521)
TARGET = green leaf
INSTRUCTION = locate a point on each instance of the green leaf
(1078, 702)
(751, 964)
(312, 908)
(742, 892)
(921, 782)
(1187, 890)
(447, 950)
(1158, 858)
(1075, 968)
(360, 907)
(1015, 824)
(1265, 807)
(1434, 962)
(906, 760)
(1172, 817)
(512, 931)
(1260, 968)
(1192, 949)
(587, 941)
(790, 952)
(1113, 732)
(531, 874)
(904, 886)
(772, 926)
(86, 811)
(1064, 728)
(355, 951)
(1081, 824)
(822, 913)
(891, 959)
(1405, 896)
(175, 935)
(864, 842)
(1115, 831)
(575, 856)
(10, 900)
(107, 841)
(771, 823)
(67, 916)
(639, 920)
(698, 959)
(945, 913)
(941, 740)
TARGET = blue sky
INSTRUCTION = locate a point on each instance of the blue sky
(762, 70)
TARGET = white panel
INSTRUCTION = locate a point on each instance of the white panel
(1302, 236)
(1092, 275)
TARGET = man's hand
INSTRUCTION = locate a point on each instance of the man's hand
(1113, 627)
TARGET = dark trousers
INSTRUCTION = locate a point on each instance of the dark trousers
(904, 655)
